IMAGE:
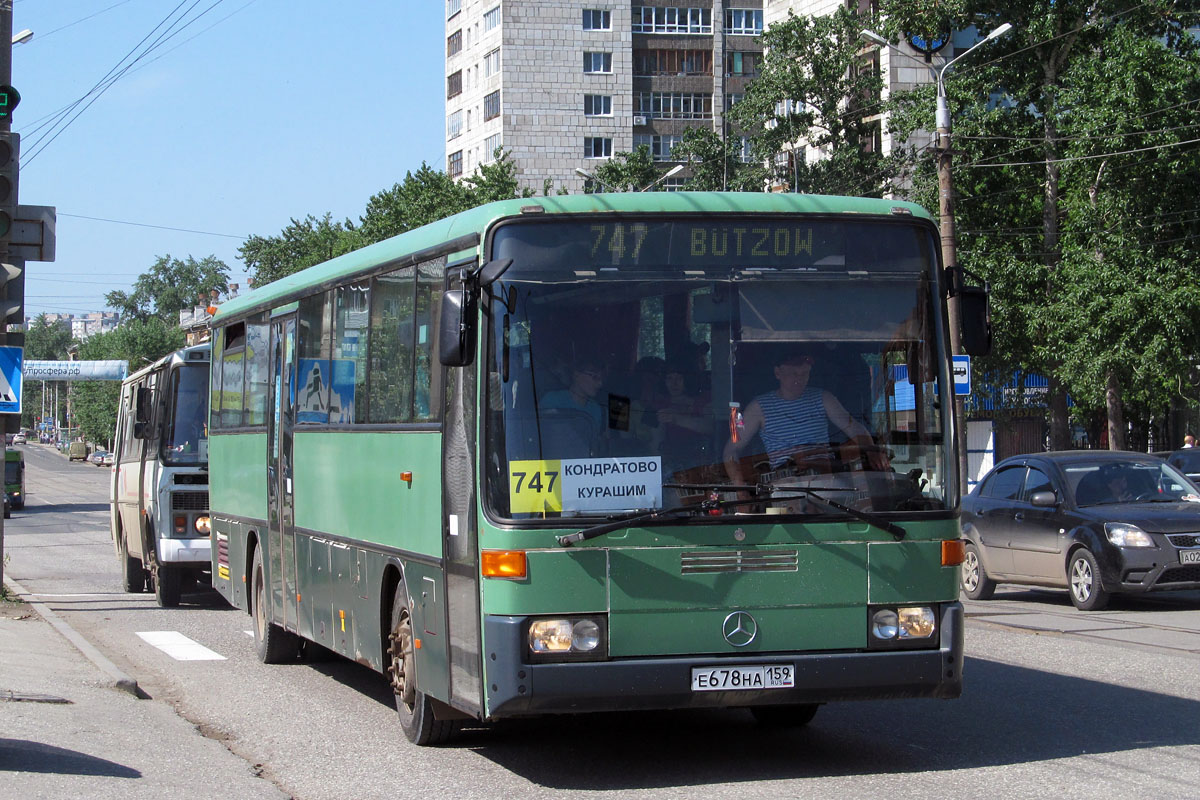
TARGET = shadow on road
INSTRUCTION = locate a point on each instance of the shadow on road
(19, 755)
(65, 508)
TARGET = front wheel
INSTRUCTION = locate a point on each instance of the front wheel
(167, 586)
(273, 644)
(784, 716)
(133, 574)
(1083, 579)
(413, 706)
(976, 585)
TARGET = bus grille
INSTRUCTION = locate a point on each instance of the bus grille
(189, 501)
(706, 561)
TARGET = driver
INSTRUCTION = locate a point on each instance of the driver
(793, 416)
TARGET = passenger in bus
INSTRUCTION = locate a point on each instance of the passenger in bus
(685, 426)
(583, 419)
(796, 416)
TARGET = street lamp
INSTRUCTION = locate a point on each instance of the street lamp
(675, 170)
(22, 37)
(589, 176)
(946, 217)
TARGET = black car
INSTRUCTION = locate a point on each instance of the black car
(1186, 461)
(1093, 522)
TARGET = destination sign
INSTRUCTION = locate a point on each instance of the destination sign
(746, 242)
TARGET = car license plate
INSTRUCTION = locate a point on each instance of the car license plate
(743, 677)
(1189, 556)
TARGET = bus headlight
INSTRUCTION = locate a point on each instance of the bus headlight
(203, 525)
(902, 626)
(567, 639)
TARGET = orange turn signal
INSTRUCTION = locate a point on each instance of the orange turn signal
(502, 563)
(953, 552)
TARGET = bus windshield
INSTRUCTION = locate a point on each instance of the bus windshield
(185, 439)
(650, 364)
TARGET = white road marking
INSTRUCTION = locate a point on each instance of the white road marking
(179, 647)
(249, 633)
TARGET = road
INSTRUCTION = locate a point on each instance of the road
(1057, 702)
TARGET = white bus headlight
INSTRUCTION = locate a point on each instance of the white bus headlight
(916, 622)
(1123, 534)
(203, 525)
(567, 639)
(902, 626)
(884, 624)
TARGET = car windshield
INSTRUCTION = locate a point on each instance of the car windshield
(1104, 482)
(648, 365)
(186, 439)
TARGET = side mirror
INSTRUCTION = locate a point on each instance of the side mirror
(141, 405)
(139, 430)
(974, 320)
(1043, 499)
(456, 337)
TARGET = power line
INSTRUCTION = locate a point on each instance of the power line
(1084, 158)
(42, 36)
(148, 225)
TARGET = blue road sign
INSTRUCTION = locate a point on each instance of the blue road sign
(10, 379)
(962, 375)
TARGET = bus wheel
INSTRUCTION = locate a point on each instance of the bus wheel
(273, 643)
(784, 716)
(167, 586)
(133, 574)
(413, 706)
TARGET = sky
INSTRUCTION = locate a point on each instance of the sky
(257, 112)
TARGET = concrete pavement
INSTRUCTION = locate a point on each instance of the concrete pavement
(73, 725)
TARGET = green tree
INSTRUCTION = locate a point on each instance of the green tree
(170, 286)
(301, 244)
(815, 86)
(1070, 168)
(717, 165)
(625, 172)
(422, 197)
(44, 341)
(496, 180)
(139, 342)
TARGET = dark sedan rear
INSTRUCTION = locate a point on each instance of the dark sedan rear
(1094, 522)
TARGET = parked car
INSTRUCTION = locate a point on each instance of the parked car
(1094, 522)
(77, 451)
(19, 438)
(97, 458)
(1186, 461)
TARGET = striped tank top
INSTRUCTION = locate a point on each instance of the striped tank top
(788, 424)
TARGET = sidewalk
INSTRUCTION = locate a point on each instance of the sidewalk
(72, 725)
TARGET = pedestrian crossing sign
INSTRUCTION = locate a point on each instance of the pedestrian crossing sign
(10, 379)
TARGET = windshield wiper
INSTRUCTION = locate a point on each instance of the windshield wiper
(813, 494)
(634, 517)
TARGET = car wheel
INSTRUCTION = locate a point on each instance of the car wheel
(273, 644)
(976, 585)
(1083, 579)
(413, 706)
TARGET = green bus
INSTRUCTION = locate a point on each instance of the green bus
(506, 459)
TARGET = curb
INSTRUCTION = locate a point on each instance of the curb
(119, 680)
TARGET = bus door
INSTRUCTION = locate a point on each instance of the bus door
(281, 549)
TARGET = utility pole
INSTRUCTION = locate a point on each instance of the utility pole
(6, 12)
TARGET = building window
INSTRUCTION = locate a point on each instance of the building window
(744, 21)
(454, 85)
(454, 164)
(741, 65)
(745, 155)
(660, 146)
(597, 147)
(491, 63)
(673, 184)
(673, 105)
(454, 125)
(597, 105)
(732, 99)
(595, 20)
(490, 145)
(454, 44)
(672, 20)
(597, 63)
(491, 106)
(491, 18)
(672, 62)
(453, 7)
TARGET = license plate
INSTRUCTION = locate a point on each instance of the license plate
(743, 677)
(1189, 556)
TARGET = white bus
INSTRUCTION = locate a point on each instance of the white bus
(159, 493)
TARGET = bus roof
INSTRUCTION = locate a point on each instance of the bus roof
(195, 353)
(465, 230)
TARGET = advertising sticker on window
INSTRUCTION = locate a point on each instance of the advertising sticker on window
(585, 485)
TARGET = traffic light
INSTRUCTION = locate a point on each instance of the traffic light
(12, 271)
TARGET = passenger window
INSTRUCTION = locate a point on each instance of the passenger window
(1005, 484)
(214, 389)
(348, 390)
(233, 366)
(427, 383)
(313, 372)
(1037, 481)
(392, 347)
(256, 374)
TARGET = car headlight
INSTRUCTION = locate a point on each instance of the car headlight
(902, 626)
(1122, 534)
(571, 638)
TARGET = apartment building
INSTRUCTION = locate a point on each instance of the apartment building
(563, 85)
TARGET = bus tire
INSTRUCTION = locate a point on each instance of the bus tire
(413, 706)
(167, 586)
(784, 716)
(273, 644)
(133, 574)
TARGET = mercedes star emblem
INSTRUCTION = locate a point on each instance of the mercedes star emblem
(739, 629)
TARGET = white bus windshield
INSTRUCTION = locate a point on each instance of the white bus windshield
(185, 440)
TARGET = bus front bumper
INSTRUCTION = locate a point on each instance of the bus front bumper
(184, 551)
(516, 688)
